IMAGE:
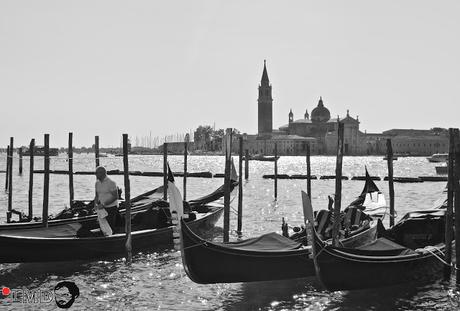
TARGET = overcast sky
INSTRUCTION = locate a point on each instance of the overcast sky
(112, 67)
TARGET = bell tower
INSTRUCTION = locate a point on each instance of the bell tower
(265, 104)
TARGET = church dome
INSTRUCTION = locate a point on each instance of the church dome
(320, 113)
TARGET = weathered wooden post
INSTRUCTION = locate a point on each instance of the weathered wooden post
(186, 140)
(10, 181)
(308, 171)
(46, 182)
(450, 203)
(7, 171)
(127, 199)
(276, 171)
(31, 177)
(390, 182)
(20, 160)
(240, 187)
(165, 171)
(246, 165)
(228, 159)
(70, 159)
(457, 199)
(96, 150)
(338, 186)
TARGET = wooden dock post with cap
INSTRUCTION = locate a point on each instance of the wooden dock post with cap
(20, 160)
(46, 181)
(10, 181)
(228, 159)
(240, 186)
(127, 199)
(70, 159)
(96, 150)
(276, 172)
(165, 171)
(308, 171)
(31, 177)
(338, 186)
(390, 182)
(186, 140)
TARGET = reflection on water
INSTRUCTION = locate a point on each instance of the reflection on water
(156, 279)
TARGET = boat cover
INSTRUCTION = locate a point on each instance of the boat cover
(61, 231)
(384, 247)
(267, 242)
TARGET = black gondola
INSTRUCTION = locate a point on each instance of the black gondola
(83, 212)
(268, 257)
(61, 243)
(412, 250)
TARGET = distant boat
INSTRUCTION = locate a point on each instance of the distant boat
(40, 151)
(438, 158)
(259, 157)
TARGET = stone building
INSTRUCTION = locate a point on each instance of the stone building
(320, 131)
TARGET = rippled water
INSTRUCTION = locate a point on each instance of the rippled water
(156, 280)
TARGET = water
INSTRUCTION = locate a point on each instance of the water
(156, 279)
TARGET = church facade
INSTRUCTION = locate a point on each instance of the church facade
(293, 137)
(319, 130)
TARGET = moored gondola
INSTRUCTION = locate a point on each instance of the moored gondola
(267, 257)
(412, 250)
(64, 242)
(83, 212)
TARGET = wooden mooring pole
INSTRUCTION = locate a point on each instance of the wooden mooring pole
(187, 137)
(240, 187)
(246, 164)
(228, 159)
(390, 182)
(457, 201)
(10, 181)
(20, 160)
(96, 150)
(31, 177)
(46, 182)
(338, 185)
(276, 171)
(127, 199)
(308, 172)
(450, 204)
(7, 167)
(70, 159)
(165, 171)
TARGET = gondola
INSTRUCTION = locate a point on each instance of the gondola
(63, 243)
(265, 258)
(412, 250)
(83, 213)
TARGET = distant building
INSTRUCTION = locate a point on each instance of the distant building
(320, 131)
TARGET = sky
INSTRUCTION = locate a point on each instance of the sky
(111, 67)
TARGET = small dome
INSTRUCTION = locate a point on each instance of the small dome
(320, 113)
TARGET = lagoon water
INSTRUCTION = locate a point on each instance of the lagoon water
(156, 279)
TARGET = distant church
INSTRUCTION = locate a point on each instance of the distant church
(318, 130)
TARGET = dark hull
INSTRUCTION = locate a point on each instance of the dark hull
(342, 271)
(139, 204)
(207, 262)
(31, 249)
